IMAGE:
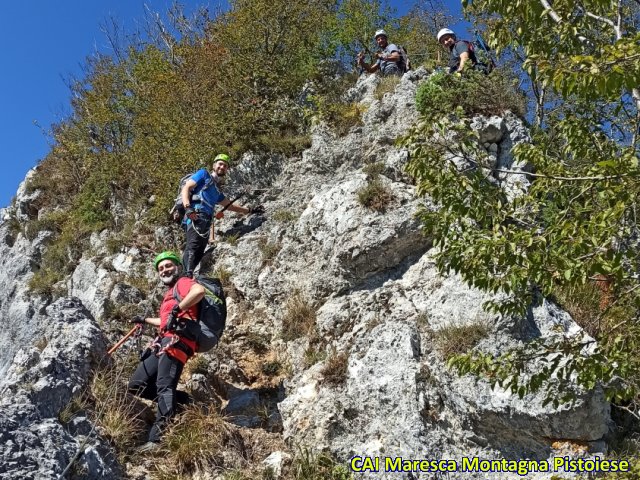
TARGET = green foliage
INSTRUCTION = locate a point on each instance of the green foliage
(474, 93)
(572, 220)
(355, 23)
(51, 221)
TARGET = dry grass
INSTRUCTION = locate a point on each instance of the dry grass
(594, 308)
(198, 364)
(453, 340)
(314, 354)
(195, 442)
(386, 85)
(269, 250)
(284, 216)
(375, 195)
(335, 369)
(115, 411)
(299, 317)
(77, 404)
(223, 275)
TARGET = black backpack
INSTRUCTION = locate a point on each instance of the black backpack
(212, 315)
(404, 64)
(177, 211)
(484, 59)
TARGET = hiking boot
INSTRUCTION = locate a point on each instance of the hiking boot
(149, 447)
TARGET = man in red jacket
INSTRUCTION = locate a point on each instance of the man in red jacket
(158, 373)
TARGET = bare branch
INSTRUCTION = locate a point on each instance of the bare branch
(556, 18)
(627, 409)
(567, 179)
(601, 19)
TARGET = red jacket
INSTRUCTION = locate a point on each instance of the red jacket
(184, 284)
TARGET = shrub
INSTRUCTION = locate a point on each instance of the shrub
(474, 92)
(299, 317)
(372, 170)
(52, 222)
(375, 195)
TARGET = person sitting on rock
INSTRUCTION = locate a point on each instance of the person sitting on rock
(160, 367)
(389, 58)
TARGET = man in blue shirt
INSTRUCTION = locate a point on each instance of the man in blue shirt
(388, 60)
(200, 194)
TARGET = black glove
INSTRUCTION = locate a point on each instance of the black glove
(139, 319)
(191, 214)
(258, 210)
(172, 321)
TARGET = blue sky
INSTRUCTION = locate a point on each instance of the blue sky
(44, 44)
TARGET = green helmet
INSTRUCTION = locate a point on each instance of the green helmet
(224, 157)
(168, 255)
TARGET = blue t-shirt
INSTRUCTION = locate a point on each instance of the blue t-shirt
(209, 195)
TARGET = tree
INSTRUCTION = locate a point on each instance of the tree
(576, 223)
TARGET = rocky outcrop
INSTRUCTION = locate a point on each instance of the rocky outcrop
(40, 382)
(368, 273)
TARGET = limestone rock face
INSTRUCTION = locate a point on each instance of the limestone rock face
(369, 378)
(399, 399)
(39, 383)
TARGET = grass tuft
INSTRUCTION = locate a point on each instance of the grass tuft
(299, 317)
(335, 370)
(453, 340)
(375, 195)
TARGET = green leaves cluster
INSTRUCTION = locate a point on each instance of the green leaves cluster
(561, 363)
(572, 220)
(474, 93)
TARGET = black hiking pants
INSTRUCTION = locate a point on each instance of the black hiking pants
(197, 239)
(156, 378)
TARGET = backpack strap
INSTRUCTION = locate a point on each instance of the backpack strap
(178, 298)
(206, 185)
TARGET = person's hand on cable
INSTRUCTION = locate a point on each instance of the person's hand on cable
(138, 320)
